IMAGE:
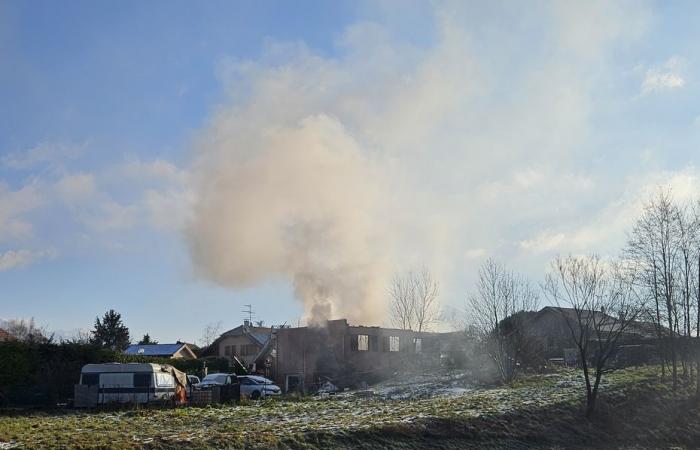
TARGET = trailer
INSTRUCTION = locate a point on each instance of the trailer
(138, 383)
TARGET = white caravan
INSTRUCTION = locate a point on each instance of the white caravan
(133, 383)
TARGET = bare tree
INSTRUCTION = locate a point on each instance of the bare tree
(598, 304)
(695, 286)
(80, 336)
(414, 300)
(497, 310)
(211, 333)
(654, 245)
(26, 330)
(688, 249)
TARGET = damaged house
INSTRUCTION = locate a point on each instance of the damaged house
(303, 359)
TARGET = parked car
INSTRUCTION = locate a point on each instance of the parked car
(256, 387)
(216, 379)
(192, 380)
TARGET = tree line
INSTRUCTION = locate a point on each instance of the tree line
(653, 282)
(108, 332)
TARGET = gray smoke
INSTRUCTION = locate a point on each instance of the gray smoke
(298, 201)
(335, 172)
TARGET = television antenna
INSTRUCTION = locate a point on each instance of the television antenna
(249, 311)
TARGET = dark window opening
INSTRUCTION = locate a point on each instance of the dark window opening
(142, 380)
(374, 343)
(91, 379)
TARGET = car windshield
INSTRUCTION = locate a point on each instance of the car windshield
(219, 378)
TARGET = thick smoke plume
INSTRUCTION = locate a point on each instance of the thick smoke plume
(334, 172)
(297, 201)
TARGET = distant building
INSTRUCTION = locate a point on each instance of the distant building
(245, 342)
(548, 328)
(180, 350)
(5, 336)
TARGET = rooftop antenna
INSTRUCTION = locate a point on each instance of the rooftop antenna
(249, 311)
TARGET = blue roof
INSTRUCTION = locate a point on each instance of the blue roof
(153, 349)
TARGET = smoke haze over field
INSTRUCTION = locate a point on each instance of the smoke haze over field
(336, 172)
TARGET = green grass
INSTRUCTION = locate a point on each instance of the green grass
(522, 412)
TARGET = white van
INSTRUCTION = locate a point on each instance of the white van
(132, 382)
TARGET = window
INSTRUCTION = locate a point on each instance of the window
(117, 379)
(91, 379)
(394, 344)
(227, 350)
(233, 350)
(362, 342)
(164, 380)
(248, 350)
(418, 344)
(142, 380)
(374, 343)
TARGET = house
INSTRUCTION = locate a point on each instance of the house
(5, 336)
(244, 342)
(549, 330)
(302, 359)
(179, 350)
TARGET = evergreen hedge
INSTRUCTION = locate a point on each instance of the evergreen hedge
(43, 375)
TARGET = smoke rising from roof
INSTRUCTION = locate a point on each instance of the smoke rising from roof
(335, 172)
(300, 201)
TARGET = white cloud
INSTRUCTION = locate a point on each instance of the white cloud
(14, 206)
(76, 188)
(665, 77)
(604, 231)
(156, 195)
(157, 170)
(13, 259)
(45, 153)
(543, 242)
(475, 253)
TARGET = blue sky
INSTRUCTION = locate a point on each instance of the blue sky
(176, 161)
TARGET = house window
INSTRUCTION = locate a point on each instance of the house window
(374, 343)
(362, 342)
(227, 350)
(418, 345)
(248, 350)
(394, 344)
(233, 350)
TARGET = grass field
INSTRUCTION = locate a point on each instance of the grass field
(637, 410)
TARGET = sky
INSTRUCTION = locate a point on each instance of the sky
(177, 161)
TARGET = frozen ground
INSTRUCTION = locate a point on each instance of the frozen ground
(421, 386)
(410, 402)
